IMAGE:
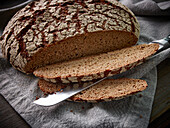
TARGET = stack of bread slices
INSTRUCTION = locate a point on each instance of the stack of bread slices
(70, 42)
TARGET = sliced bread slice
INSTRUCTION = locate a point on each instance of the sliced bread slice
(110, 89)
(96, 66)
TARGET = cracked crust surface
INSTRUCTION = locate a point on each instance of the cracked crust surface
(36, 35)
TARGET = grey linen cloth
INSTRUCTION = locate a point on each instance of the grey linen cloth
(20, 89)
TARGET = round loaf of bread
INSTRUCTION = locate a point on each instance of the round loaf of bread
(45, 32)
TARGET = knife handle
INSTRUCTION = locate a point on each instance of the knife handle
(163, 43)
(168, 38)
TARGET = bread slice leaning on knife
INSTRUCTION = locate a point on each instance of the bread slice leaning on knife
(85, 40)
(97, 66)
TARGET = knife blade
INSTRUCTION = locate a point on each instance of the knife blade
(57, 97)
(163, 43)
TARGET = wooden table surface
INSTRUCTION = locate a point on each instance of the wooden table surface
(162, 96)
(160, 116)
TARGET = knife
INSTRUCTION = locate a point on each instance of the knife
(57, 97)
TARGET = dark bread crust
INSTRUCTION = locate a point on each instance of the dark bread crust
(43, 24)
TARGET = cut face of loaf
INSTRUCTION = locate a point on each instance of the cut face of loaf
(106, 90)
(96, 66)
(45, 32)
